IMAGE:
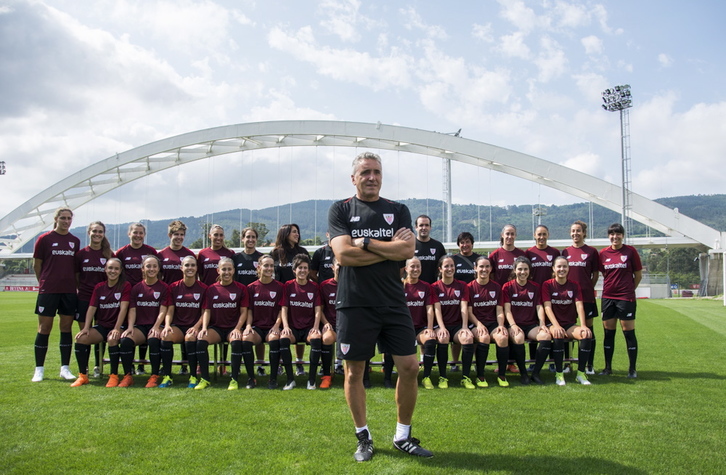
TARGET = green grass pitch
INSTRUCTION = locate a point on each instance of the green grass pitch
(672, 419)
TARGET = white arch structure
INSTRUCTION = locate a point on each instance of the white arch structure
(36, 214)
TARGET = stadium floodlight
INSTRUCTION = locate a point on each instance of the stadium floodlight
(2, 168)
(619, 99)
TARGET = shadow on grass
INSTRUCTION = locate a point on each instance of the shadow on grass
(521, 464)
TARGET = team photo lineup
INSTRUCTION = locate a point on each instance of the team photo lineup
(381, 282)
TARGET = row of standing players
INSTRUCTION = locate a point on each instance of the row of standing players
(485, 315)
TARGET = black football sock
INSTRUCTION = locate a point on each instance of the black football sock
(591, 356)
(191, 347)
(203, 358)
(467, 355)
(543, 351)
(41, 348)
(315, 348)
(429, 350)
(608, 346)
(482, 353)
(442, 358)
(558, 353)
(502, 360)
(154, 354)
(518, 353)
(583, 354)
(326, 356)
(114, 355)
(248, 356)
(167, 355)
(286, 358)
(82, 354)
(632, 344)
(66, 347)
(127, 354)
(274, 359)
(236, 352)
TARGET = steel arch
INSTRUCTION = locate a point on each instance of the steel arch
(36, 214)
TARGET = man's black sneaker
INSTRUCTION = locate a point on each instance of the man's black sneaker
(411, 446)
(365, 447)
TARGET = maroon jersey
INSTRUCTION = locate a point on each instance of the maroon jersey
(301, 301)
(484, 300)
(503, 262)
(265, 303)
(328, 292)
(147, 299)
(225, 302)
(584, 262)
(207, 262)
(541, 260)
(188, 302)
(58, 270)
(90, 265)
(562, 298)
(171, 263)
(617, 267)
(524, 301)
(107, 301)
(418, 297)
(131, 259)
(450, 296)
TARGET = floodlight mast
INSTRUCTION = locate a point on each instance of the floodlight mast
(619, 99)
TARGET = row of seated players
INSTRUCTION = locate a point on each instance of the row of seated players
(190, 312)
(90, 262)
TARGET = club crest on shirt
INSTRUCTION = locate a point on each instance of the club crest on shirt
(255, 264)
(196, 296)
(531, 295)
(492, 293)
(432, 251)
(310, 295)
(388, 217)
(583, 256)
(272, 295)
(117, 295)
(457, 292)
(72, 244)
(549, 258)
(421, 294)
(569, 293)
(157, 294)
(345, 348)
(103, 261)
(233, 296)
(623, 258)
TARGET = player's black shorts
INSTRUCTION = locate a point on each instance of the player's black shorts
(263, 332)
(222, 332)
(50, 305)
(104, 331)
(527, 328)
(360, 327)
(300, 334)
(590, 309)
(622, 309)
(183, 328)
(81, 310)
(144, 329)
(453, 330)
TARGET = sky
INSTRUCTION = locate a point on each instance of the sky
(84, 80)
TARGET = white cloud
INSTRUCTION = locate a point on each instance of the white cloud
(513, 46)
(341, 18)
(665, 60)
(521, 16)
(344, 64)
(571, 15)
(592, 44)
(601, 14)
(587, 162)
(551, 61)
(413, 21)
(483, 32)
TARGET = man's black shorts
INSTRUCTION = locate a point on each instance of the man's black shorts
(48, 305)
(360, 327)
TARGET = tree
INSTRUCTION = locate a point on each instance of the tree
(262, 232)
(203, 241)
(235, 240)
